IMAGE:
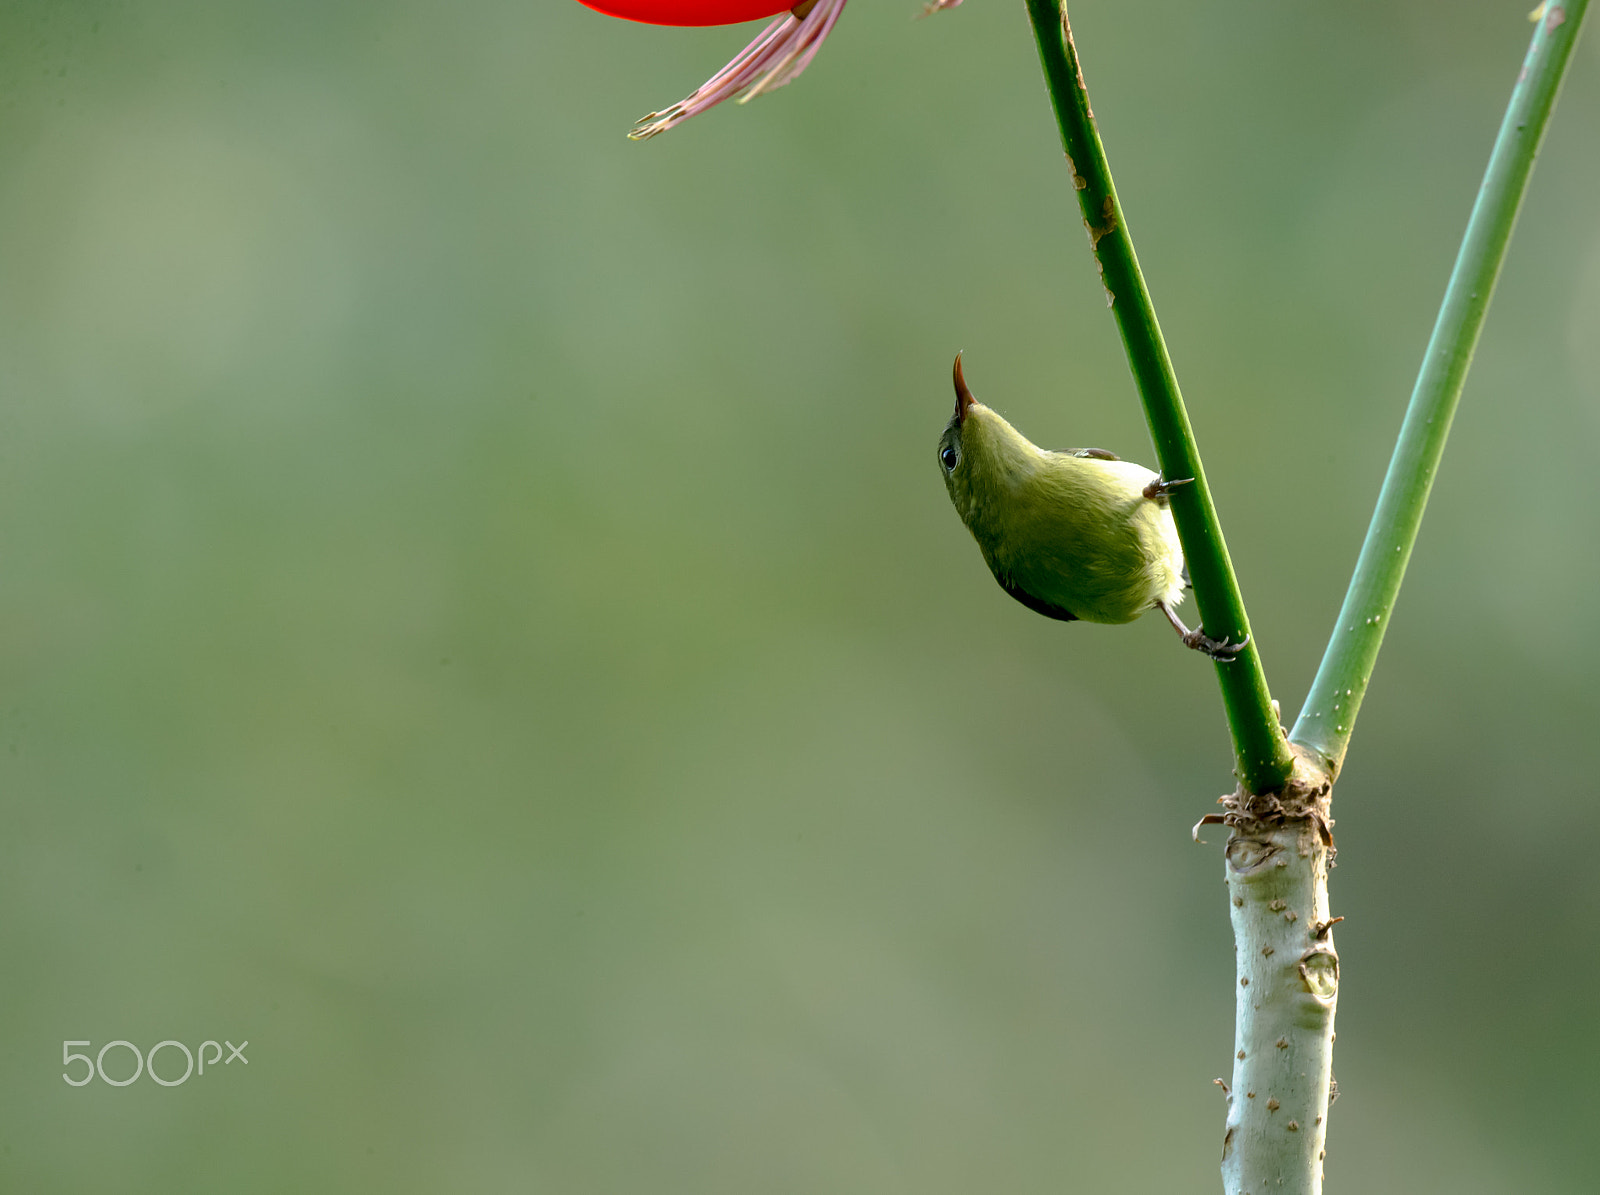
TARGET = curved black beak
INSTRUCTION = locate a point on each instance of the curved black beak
(964, 397)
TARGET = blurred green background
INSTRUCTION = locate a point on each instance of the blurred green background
(481, 620)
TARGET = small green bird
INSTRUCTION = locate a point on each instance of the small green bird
(1072, 535)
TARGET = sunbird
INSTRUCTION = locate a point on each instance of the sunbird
(1072, 535)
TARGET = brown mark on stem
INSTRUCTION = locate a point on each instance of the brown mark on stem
(1078, 181)
(1107, 225)
(1077, 67)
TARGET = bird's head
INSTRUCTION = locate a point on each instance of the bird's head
(978, 449)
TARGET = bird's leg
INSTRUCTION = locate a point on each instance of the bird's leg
(1222, 651)
(1159, 489)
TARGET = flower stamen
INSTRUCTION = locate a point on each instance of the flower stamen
(777, 56)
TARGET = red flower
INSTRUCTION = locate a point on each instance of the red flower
(689, 12)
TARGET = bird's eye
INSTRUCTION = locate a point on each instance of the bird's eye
(947, 458)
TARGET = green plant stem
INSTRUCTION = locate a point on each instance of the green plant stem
(1262, 757)
(1329, 716)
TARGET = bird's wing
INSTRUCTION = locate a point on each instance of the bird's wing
(1098, 454)
(1037, 605)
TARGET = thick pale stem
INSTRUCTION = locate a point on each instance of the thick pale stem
(1288, 987)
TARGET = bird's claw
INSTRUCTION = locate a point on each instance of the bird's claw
(1160, 489)
(1224, 651)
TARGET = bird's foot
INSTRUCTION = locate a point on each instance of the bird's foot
(1160, 489)
(1221, 650)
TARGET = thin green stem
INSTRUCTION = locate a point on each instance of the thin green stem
(1261, 753)
(1329, 716)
